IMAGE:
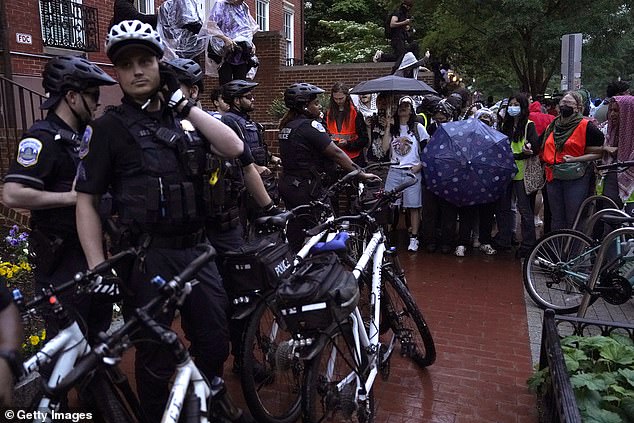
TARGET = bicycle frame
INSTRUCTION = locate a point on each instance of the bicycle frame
(72, 345)
(187, 374)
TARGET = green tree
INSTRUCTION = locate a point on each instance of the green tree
(354, 42)
(493, 40)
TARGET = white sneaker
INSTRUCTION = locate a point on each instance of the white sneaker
(488, 249)
(538, 222)
(377, 56)
(460, 249)
(413, 244)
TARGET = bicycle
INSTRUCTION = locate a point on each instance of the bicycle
(276, 397)
(109, 389)
(192, 397)
(344, 356)
(566, 269)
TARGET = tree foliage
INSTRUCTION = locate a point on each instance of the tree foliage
(504, 45)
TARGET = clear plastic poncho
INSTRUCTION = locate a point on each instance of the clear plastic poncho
(176, 19)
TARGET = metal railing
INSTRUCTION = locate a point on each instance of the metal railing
(19, 108)
(70, 25)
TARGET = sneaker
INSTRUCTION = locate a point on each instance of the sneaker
(377, 56)
(476, 243)
(413, 244)
(460, 249)
(538, 222)
(487, 249)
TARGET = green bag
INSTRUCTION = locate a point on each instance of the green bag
(569, 171)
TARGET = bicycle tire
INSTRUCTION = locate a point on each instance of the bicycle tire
(109, 403)
(402, 314)
(544, 270)
(277, 399)
(322, 398)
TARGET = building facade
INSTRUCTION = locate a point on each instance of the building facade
(33, 31)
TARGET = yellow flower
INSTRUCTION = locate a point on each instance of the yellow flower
(43, 334)
(34, 339)
(26, 266)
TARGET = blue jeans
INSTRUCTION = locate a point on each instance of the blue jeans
(565, 198)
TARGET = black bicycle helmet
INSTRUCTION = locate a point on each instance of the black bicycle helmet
(63, 73)
(297, 95)
(187, 71)
(236, 88)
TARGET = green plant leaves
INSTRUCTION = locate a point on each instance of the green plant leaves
(601, 371)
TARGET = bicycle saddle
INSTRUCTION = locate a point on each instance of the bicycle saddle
(278, 220)
(338, 243)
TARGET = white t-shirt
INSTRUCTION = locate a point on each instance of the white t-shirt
(405, 148)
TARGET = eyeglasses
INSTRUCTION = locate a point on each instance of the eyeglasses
(94, 95)
(247, 96)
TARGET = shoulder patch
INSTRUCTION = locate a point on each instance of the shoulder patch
(318, 126)
(29, 151)
(84, 146)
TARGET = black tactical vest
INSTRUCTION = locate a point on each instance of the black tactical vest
(169, 187)
(251, 133)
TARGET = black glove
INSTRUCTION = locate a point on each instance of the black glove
(271, 210)
(171, 87)
(106, 287)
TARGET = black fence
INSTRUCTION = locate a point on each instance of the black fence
(70, 25)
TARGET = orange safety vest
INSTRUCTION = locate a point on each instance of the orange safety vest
(348, 131)
(574, 146)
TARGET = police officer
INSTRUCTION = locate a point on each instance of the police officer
(307, 153)
(42, 180)
(238, 94)
(151, 152)
(10, 338)
(224, 230)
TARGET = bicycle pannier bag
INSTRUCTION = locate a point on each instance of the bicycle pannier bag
(258, 265)
(319, 292)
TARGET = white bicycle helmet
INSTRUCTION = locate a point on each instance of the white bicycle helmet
(133, 32)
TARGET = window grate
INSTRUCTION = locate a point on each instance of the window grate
(69, 25)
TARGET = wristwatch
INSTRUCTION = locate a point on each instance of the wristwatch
(14, 360)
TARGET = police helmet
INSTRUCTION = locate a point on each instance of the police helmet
(297, 95)
(187, 71)
(63, 73)
(236, 88)
(134, 33)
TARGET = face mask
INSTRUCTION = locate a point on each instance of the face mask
(514, 110)
(566, 111)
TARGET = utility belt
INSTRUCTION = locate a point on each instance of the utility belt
(175, 242)
(49, 250)
(308, 181)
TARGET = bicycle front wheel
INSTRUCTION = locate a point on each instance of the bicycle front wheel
(557, 269)
(270, 377)
(331, 383)
(402, 315)
(110, 404)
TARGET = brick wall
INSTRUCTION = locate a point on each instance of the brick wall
(274, 77)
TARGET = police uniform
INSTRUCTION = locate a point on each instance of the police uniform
(154, 166)
(47, 161)
(302, 143)
(252, 134)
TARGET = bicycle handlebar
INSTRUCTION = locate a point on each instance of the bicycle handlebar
(384, 197)
(617, 166)
(169, 291)
(79, 278)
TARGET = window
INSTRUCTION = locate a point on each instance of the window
(69, 24)
(288, 33)
(145, 6)
(262, 14)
